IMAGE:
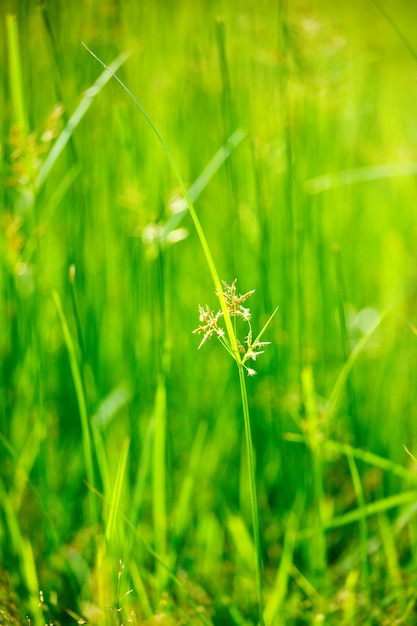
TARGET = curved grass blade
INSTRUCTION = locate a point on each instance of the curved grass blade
(75, 119)
(197, 225)
(157, 558)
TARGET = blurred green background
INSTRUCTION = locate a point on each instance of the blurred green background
(314, 208)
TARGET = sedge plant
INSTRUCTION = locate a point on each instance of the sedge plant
(223, 325)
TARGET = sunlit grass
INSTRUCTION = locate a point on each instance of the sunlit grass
(124, 468)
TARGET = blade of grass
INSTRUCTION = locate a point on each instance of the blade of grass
(279, 588)
(346, 368)
(187, 488)
(81, 399)
(140, 589)
(242, 540)
(392, 559)
(159, 475)
(397, 30)
(227, 108)
(103, 564)
(24, 553)
(228, 117)
(372, 508)
(410, 454)
(76, 118)
(363, 455)
(199, 229)
(26, 461)
(15, 73)
(313, 442)
(363, 529)
(157, 558)
(381, 171)
(117, 491)
(203, 180)
(253, 496)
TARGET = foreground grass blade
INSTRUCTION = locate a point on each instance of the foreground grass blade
(81, 399)
(253, 497)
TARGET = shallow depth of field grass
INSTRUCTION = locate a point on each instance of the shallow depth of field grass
(125, 491)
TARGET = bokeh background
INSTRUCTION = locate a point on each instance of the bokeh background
(104, 396)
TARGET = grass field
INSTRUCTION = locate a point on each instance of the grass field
(144, 480)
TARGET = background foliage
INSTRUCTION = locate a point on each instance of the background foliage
(114, 429)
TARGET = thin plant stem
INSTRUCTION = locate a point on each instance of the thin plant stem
(253, 498)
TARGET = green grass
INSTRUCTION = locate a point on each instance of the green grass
(127, 491)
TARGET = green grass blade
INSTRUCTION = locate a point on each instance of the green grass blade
(187, 488)
(353, 357)
(279, 588)
(203, 180)
(363, 455)
(75, 119)
(253, 496)
(410, 454)
(242, 540)
(392, 558)
(158, 559)
(313, 442)
(369, 173)
(159, 474)
(396, 29)
(15, 73)
(24, 553)
(81, 399)
(372, 508)
(363, 528)
(117, 492)
(26, 461)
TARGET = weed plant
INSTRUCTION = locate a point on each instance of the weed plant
(131, 489)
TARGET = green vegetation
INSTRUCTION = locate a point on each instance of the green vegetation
(242, 149)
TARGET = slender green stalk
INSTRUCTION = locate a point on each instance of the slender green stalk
(253, 498)
(313, 442)
(15, 72)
